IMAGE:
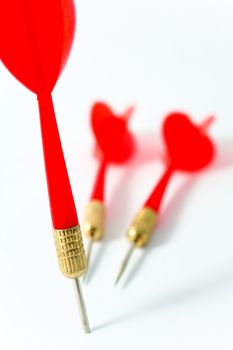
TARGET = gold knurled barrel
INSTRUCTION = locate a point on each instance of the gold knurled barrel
(70, 252)
(93, 226)
(142, 226)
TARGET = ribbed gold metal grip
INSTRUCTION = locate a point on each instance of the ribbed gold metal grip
(142, 227)
(93, 226)
(139, 234)
(70, 252)
(94, 220)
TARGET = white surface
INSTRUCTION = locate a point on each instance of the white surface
(160, 55)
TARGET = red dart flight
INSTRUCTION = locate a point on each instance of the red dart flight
(36, 38)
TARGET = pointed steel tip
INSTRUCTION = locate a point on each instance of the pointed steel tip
(124, 263)
(120, 273)
(86, 329)
(118, 278)
(88, 255)
(81, 305)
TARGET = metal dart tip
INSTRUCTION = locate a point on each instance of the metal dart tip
(124, 263)
(89, 250)
(81, 305)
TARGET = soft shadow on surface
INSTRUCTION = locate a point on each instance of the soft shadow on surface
(184, 294)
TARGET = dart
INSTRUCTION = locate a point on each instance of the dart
(189, 149)
(115, 145)
(36, 38)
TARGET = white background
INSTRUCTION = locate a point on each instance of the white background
(159, 55)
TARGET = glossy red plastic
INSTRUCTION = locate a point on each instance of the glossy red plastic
(188, 148)
(115, 143)
(36, 38)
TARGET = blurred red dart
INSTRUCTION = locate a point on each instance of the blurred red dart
(36, 38)
(115, 145)
(189, 149)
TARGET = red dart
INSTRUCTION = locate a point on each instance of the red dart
(36, 38)
(114, 145)
(189, 149)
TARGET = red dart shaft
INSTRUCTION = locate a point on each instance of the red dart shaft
(98, 188)
(155, 198)
(60, 194)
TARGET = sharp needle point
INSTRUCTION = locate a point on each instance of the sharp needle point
(81, 306)
(124, 263)
(89, 250)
